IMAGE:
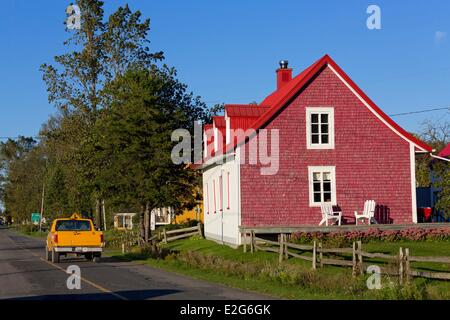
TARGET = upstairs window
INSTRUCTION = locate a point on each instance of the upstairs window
(320, 128)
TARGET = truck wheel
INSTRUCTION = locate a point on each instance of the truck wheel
(96, 259)
(48, 255)
(55, 256)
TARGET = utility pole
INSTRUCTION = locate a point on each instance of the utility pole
(42, 206)
(104, 215)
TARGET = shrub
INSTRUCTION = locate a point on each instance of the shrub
(115, 238)
(409, 291)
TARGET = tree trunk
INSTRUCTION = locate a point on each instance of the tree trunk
(147, 221)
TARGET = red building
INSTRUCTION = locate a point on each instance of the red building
(333, 144)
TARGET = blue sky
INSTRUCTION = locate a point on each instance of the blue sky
(228, 51)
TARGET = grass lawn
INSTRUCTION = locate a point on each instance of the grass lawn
(293, 279)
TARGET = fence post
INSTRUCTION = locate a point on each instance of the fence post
(314, 258)
(245, 241)
(407, 265)
(123, 248)
(354, 259)
(285, 241)
(400, 266)
(360, 258)
(281, 243)
(200, 229)
(165, 235)
(320, 254)
(252, 243)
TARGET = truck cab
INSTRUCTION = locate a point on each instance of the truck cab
(73, 236)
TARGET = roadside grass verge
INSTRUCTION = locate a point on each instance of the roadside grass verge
(293, 279)
(26, 231)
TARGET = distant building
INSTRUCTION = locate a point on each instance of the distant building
(427, 197)
(124, 221)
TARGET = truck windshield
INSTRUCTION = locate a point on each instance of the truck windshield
(73, 225)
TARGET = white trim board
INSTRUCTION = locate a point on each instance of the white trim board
(412, 156)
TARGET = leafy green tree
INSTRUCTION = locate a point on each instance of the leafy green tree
(433, 172)
(131, 146)
(23, 177)
(100, 50)
(56, 197)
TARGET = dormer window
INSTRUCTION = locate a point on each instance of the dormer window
(320, 127)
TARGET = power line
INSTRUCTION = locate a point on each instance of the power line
(391, 115)
(421, 111)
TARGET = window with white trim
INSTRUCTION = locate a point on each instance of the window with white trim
(214, 187)
(206, 198)
(221, 193)
(228, 191)
(322, 185)
(320, 127)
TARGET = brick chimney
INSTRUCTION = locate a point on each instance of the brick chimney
(284, 74)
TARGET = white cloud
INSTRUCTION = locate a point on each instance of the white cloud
(439, 36)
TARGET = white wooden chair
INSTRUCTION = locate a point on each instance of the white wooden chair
(329, 214)
(368, 212)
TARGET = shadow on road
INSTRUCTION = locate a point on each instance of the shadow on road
(130, 295)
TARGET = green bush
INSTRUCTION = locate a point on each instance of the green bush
(115, 238)
(409, 291)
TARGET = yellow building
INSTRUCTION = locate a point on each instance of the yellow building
(194, 214)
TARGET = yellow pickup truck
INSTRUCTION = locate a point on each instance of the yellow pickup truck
(73, 236)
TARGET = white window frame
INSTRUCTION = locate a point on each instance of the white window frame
(311, 170)
(320, 110)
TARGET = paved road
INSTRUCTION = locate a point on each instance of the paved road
(24, 274)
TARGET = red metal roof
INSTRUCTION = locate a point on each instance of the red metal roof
(445, 153)
(219, 121)
(275, 96)
(281, 97)
(245, 110)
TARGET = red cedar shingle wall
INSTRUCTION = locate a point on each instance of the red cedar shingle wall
(372, 162)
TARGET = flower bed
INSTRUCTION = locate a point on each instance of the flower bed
(373, 234)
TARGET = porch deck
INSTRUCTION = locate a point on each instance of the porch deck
(312, 228)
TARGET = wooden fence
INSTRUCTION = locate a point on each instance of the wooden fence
(164, 236)
(398, 265)
(172, 235)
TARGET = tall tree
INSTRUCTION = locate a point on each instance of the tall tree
(23, 179)
(132, 141)
(101, 50)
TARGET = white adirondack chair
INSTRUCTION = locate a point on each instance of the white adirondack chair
(368, 213)
(329, 214)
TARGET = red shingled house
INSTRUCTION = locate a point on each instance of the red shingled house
(335, 145)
